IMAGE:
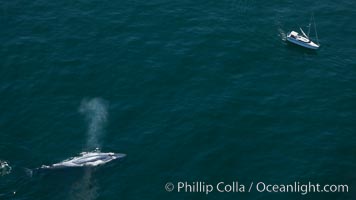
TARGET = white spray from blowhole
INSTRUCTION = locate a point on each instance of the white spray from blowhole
(95, 112)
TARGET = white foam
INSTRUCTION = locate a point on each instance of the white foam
(282, 34)
(5, 168)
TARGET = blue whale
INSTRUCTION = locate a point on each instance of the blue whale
(86, 159)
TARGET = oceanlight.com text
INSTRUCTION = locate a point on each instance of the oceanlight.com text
(261, 187)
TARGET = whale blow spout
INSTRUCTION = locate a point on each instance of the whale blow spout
(96, 113)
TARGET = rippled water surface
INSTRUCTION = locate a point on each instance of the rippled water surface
(189, 90)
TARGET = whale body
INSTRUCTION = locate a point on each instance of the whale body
(86, 159)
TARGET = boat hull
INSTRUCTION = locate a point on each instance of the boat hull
(309, 45)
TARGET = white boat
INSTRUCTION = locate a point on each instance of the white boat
(303, 39)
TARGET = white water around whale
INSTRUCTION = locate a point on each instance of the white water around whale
(5, 168)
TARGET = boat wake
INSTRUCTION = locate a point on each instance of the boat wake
(278, 22)
(282, 34)
(5, 168)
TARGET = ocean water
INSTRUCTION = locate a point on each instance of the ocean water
(190, 90)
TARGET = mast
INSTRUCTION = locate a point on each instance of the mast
(311, 17)
(316, 33)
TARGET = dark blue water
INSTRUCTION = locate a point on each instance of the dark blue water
(189, 90)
